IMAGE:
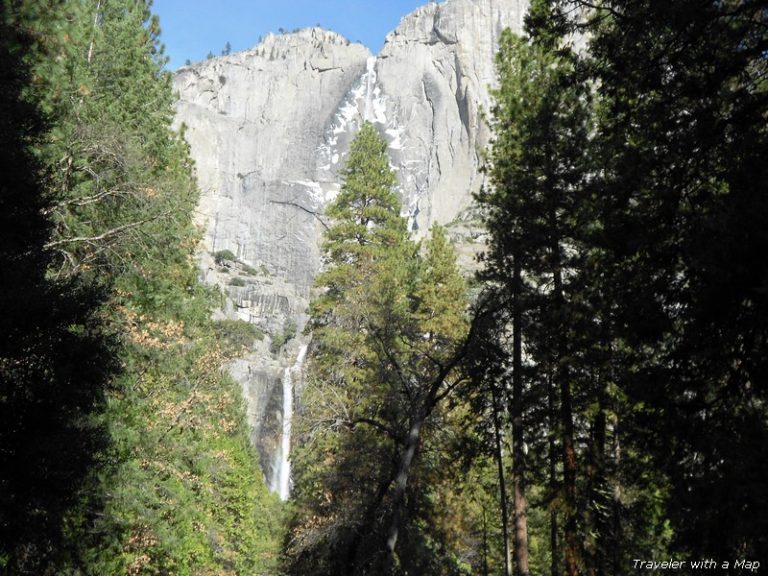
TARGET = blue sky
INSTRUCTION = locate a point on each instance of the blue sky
(192, 28)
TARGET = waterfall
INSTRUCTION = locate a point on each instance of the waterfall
(370, 83)
(281, 473)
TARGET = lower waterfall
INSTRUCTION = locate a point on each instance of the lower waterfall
(281, 476)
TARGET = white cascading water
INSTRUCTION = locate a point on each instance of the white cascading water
(370, 83)
(281, 472)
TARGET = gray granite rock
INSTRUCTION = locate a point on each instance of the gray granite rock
(435, 71)
(270, 127)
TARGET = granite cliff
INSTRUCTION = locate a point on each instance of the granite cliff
(269, 129)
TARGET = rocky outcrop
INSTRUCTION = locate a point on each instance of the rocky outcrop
(434, 72)
(254, 122)
(269, 129)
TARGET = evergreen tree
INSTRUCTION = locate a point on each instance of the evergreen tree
(661, 320)
(537, 165)
(684, 205)
(386, 330)
(55, 359)
(176, 488)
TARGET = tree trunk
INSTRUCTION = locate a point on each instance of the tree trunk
(566, 411)
(569, 477)
(600, 512)
(553, 425)
(596, 501)
(93, 35)
(616, 532)
(502, 484)
(367, 525)
(401, 482)
(518, 450)
(486, 571)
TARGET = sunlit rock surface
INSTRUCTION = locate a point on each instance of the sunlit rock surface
(270, 127)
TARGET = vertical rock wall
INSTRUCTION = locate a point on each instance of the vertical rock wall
(269, 129)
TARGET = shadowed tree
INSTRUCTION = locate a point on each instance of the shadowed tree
(54, 361)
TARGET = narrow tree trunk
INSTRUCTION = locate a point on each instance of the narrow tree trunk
(502, 483)
(93, 35)
(616, 532)
(518, 451)
(569, 478)
(553, 425)
(401, 482)
(367, 525)
(486, 571)
(600, 512)
(566, 413)
(592, 523)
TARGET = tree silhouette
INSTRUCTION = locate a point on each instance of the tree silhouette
(54, 361)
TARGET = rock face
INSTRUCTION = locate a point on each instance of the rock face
(434, 72)
(254, 122)
(270, 127)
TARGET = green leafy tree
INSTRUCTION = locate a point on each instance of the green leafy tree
(630, 262)
(536, 166)
(683, 205)
(176, 487)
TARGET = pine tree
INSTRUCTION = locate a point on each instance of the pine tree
(535, 167)
(55, 359)
(684, 208)
(386, 331)
(362, 288)
(175, 486)
(672, 282)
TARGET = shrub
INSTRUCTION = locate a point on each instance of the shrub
(282, 338)
(238, 333)
(224, 256)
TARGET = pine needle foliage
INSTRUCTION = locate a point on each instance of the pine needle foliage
(175, 486)
(387, 316)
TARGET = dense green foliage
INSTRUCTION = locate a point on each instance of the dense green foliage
(370, 476)
(55, 358)
(627, 214)
(605, 401)
(150, 471)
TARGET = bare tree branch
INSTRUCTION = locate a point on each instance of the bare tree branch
(107, 234)
(300, 207)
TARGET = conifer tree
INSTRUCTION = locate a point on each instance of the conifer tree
(386, 331)
(683, 206)
(55, 359)
(535, 167)
(175, 487)
(679, 90)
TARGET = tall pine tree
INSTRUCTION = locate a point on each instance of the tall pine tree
(386, 328)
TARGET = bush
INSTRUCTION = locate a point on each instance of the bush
(282, 338)
(224, 256)
(250, 270)
(236, 281)
(238, 333)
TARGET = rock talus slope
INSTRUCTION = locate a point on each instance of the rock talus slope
(269, 129)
